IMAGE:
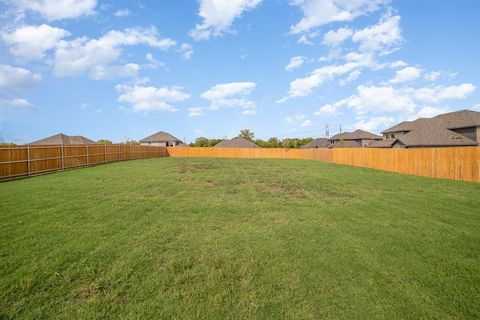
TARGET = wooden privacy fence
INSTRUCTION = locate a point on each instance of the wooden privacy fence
(255, 153)
(457, 163)
(17, 161)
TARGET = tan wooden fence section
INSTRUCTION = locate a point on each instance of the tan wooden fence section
(457, 163)
(256, 153)
(17, 161)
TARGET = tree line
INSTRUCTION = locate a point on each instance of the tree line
(247, 134)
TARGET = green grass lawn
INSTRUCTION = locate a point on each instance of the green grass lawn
(177, 238)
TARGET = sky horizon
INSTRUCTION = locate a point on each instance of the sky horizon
(121, 70)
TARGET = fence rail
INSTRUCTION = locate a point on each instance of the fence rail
(18, 161)
(457, 163)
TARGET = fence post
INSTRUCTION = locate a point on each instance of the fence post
(86, 149)
(63, 158)
(105, 153)
(28, 159)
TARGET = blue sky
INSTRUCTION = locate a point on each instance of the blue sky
(285, 68)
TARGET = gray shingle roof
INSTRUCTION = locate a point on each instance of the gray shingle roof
(317, 143)
(346, 144)
(432, 135)
(434, 132)
(356, 135)
(160, 136)
(451, 120)
(237, 142)
(382, 143)
(460, 119)
(406, 126)
(63, 139)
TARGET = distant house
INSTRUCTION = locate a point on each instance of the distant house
(237, 142)
(461, 128)
(355, 139)
(317, 143)
(162, 139)
(63, 139)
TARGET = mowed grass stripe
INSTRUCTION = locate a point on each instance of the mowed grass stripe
(238, 238)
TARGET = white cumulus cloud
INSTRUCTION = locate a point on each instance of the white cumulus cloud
(373, 99)
(434, 75)
(406, 74)
(218, 16)
(231, 94)
(306, 123)
(295, 62)
(13, 78)
(429, 112)
(300, 120)
(383, 37)
(442, 93)
(317, 13)
(122, 13)
(152, 62)
(12, 81)
(17, 102)
(56, 9)
(327, 110)
(186, 50)
(335, 38)
(145, 99)
(404, 101)
(374, 123)
(195, 112)
(31, 42)
(302, 87)
(83, 55)
(106, 72)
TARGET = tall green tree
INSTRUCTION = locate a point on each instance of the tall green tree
(213, 142)
(201, 142)
(274, 142)
(247, 134)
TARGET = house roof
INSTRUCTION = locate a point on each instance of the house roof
(382, 143)
(356, 135)
(160, 136)
(237, 142)
(346, 144)
(432, 135)
(460, 119)
(317, 143)
(63, 139)
(406, 126)
(451, 120)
